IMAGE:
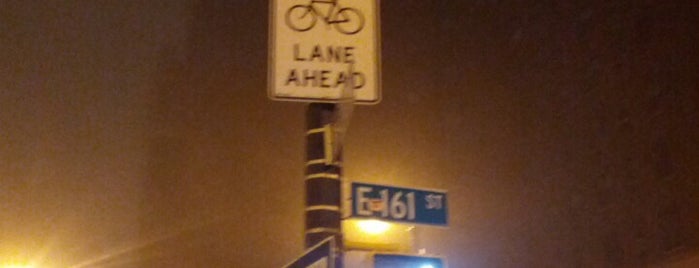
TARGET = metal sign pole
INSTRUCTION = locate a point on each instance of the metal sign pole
(323, 180)
(326, 124)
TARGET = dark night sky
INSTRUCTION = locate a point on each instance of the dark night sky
(139, 133)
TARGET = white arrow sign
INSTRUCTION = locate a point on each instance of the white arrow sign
(322, 255)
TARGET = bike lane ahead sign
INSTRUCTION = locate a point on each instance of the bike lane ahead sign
(318, 47)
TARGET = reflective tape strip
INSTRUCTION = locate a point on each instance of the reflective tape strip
(316, 130)
(315, 162)
(323, 176)
(322, 230)
(322, 161)
(323, 207)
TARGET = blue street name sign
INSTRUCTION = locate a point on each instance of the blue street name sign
(407, 261)
(398, 204)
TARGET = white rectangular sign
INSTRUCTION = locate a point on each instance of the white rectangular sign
(316, 44)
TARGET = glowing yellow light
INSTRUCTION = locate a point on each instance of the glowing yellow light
(16, 266)
(377, 235)
(373, 227)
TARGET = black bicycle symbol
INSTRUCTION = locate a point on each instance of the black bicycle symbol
(346, 20)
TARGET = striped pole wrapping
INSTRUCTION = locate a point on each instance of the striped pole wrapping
(322, 180)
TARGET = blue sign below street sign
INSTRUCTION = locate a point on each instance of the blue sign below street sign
(398, 204)
(406, 261)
